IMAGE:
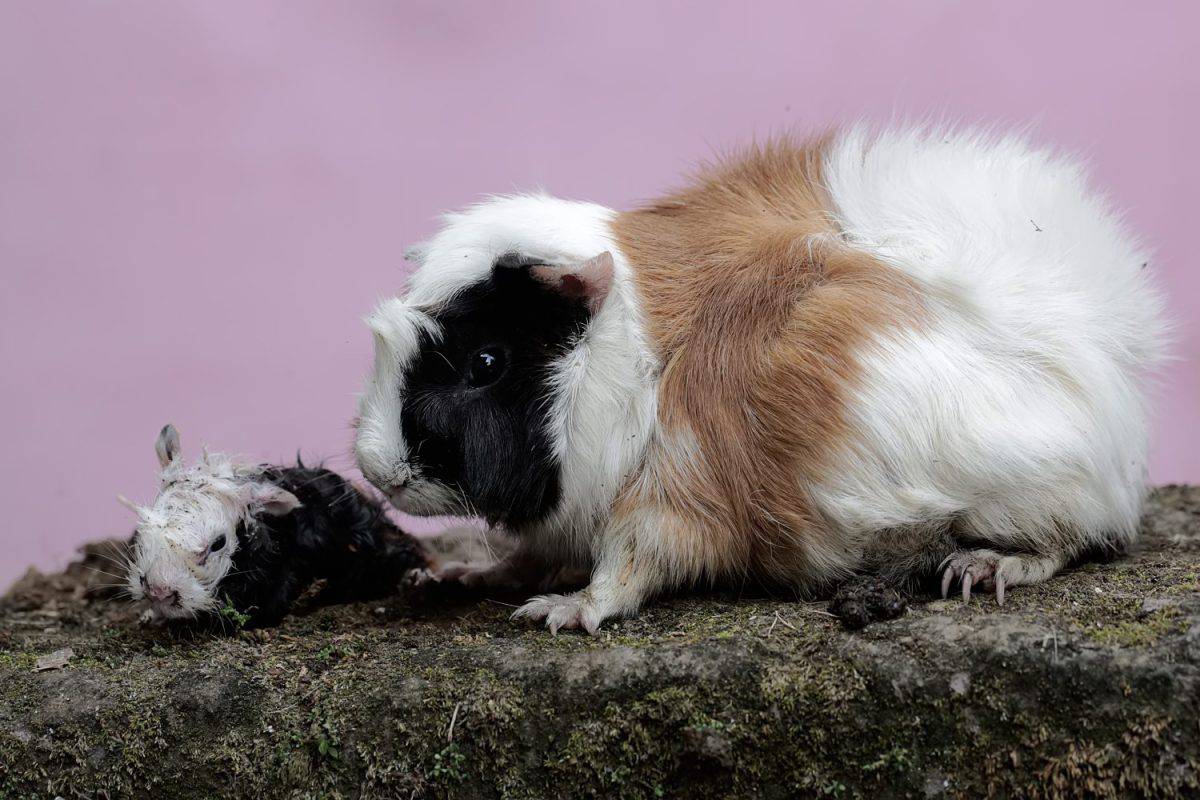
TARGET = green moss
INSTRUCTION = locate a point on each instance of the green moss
(898, 759)
(18, 661)
(235, 617)
(448, 765)
(1139, 632)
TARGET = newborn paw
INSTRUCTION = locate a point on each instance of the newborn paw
(562, 611)
(418, 578)
(480, 576)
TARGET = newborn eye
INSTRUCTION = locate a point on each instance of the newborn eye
(485, 367)
(217, 544)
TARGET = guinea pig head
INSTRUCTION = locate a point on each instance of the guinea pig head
(187, 538)
(456, 416)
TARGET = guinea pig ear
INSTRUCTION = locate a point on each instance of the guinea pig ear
(589, 281)
(132, 506)
(272, 500)
(167, 445)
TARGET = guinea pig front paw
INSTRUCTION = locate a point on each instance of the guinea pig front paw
(561, 611)
(148, 617)
(474, 576)
(418, 578)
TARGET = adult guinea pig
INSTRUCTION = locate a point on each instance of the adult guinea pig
(904, 353)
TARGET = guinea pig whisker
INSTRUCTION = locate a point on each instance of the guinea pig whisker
(483, 539)
(109, 574)
(123, 570)
(442, 356)
(120, 562)
(464, 502)
(347, 492)
(239, 573)
(309, 482)
(347, 495)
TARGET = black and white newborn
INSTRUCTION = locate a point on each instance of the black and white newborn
(244, 541)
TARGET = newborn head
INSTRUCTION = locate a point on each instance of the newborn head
(457, 417)
(187, 538)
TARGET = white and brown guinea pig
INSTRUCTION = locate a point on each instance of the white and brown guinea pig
(891, 353)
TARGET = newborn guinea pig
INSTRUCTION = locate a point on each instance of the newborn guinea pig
(229, 539)
(914, 354)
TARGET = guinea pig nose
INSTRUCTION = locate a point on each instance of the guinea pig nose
(159, 593)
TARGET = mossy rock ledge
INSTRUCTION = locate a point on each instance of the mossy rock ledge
(1087, 686)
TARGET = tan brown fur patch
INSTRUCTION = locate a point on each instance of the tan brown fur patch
(756, 307)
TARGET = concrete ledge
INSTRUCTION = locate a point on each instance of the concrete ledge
(1088, 686)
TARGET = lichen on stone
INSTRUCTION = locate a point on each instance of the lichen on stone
(1086, 686)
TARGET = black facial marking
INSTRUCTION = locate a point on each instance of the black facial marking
(476, 403)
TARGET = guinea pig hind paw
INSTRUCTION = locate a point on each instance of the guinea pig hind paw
(997, 572)
(562, 611)
(973, 569)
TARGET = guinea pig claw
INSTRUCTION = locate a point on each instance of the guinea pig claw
(421, 577)
(561, 612)
(979, 570)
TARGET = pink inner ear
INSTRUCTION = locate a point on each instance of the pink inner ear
(273, 500)
(572, 286)
(590, 280)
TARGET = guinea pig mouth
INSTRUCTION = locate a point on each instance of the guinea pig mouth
(396, 494)
(168, 610)
(174, 605)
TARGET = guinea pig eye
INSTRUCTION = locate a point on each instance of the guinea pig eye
(485, 367)
(217, 544)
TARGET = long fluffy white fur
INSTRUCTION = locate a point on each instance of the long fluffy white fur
(1020, 410)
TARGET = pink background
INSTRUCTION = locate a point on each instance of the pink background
(199, 201)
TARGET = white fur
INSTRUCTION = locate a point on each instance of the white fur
(382, 452)
(545, 228)
(1019, 408)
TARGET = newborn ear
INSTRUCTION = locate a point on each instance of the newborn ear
(272, 500)
(589, 281)
(132, 506)
(167, 445)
